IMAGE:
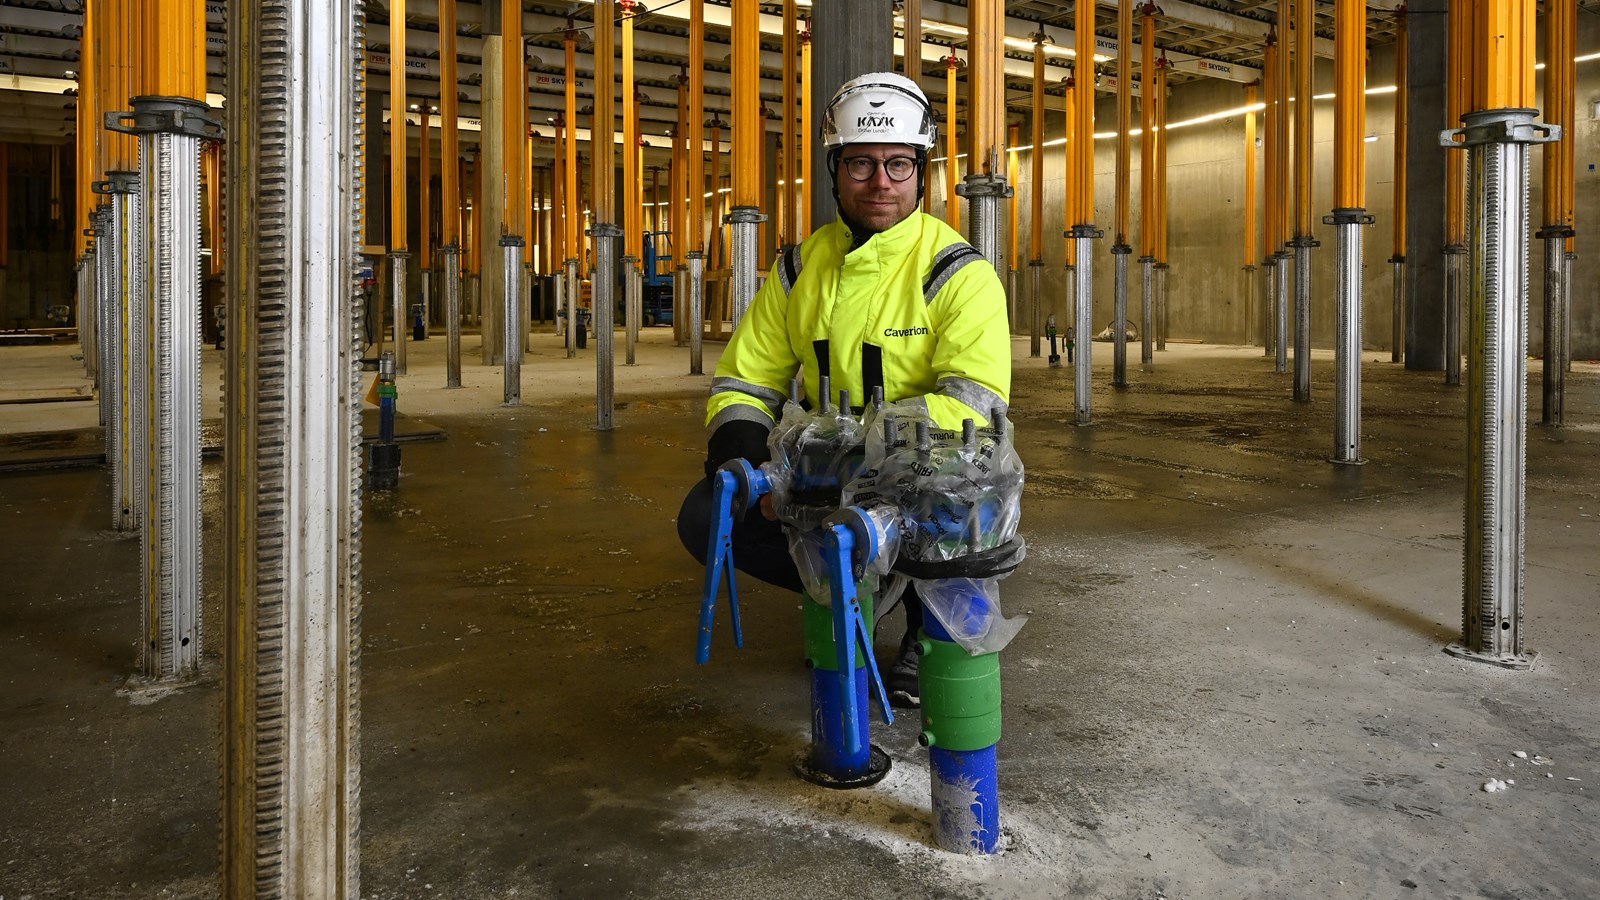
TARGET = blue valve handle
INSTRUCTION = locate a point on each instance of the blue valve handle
(736, 488)
(848, 627)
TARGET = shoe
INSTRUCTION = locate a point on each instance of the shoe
(901, 681)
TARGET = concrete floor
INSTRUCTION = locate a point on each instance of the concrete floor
(1231, 684)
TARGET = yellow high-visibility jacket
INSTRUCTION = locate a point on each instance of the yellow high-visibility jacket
(915, 309)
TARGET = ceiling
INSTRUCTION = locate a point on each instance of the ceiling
(1201, 38)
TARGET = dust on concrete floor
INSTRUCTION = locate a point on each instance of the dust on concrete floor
(1230, 684)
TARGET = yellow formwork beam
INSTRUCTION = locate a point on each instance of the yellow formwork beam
(1147, 133)
(697, 118)
(1458, 76)
(211, 174)
(1124, 121)
(559, 197)
(1502, 46)
(513, 137)
(952, 210)
(1272, 204)
(1401, 51)
(449, 138)
(748, 125)
(397, 125)
(1069, 163)
(680, 177)
(1161, 160)
(1284, 82)
(1251, 244)
(1350, 104)
(1305, 64)
(602, 146)
(1014, 138)
(1069, 173)
(632, 175)
(1560, 76)
(86, 134)
(1083, 18)
(177, 52)
(424, 182)
(986, 84)
(572, 212)
(788, 208)
(803, 139)
(1036, 194)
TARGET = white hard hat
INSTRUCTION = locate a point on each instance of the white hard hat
(880, 108)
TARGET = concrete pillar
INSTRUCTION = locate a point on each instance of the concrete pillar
(849, 38)
(1425, 165)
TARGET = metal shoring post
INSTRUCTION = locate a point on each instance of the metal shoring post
(742, 221)
(697, 280)
(1302, 316)
(1162, 269)
(126, 422)
(1397, 315)
(1147, 302)
(1070, 287)
(605, 236)
(397, 298)
(1347, 341)
(558, 293)
(630, 307)
(1119, 323)
(1011, 311)
(105, 334)
(1497, 141)
(1269, 308)
(570, 279)
(170, 130)
(451, 254)
(1556, 303)
(511, 341)
(1036, 267)
(1084, 327)
(291, 762)
(1455, 256)
(983, 193)
(1280, 288)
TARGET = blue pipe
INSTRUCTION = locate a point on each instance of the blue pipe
(840, 744)
(965, 787)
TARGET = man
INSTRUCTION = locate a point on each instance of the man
(885, 296)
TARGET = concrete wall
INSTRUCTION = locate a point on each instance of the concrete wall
(1207, 287)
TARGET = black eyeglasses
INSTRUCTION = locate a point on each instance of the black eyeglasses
(862, 168)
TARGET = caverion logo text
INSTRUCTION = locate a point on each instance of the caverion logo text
(905, 332)
(875, 121)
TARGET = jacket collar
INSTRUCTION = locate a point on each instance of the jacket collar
(895, 239)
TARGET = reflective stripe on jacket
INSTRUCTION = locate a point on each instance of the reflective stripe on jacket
(915, 309)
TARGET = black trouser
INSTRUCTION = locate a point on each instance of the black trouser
(760, 547)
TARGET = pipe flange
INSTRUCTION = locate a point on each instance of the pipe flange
(694, 254)
(604, 230)
(398, 254)
(1304, 240)
(981, 185)
(1500, 126)
(1163, 265)
(1146, 259)
(878, 766)
(1121, 250)
(1349, 215)
(744, 215)
(1036, 262)
(167, 115)
(119, 181)
(1399, 258)
(1455, 250)
(1083, 231)
(1551, 232)
(512, 240)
